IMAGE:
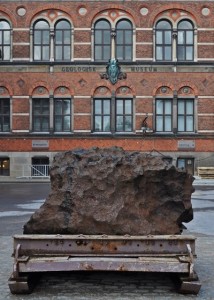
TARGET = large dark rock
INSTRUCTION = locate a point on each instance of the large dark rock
(111, 191)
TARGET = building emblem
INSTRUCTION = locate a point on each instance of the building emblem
(113, 71)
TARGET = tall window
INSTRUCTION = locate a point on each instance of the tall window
(4, 166)
(62, 115)
(63, 40)
(185, 41)
(183, 36)
(124, 40)
(102, 115)
(102, 41)
(4, 40)
(124, 115)
(120, 40)
(163, 40)
(41, 41)
(185, 115)
(4, 115)
(41, 114)
(163, 115)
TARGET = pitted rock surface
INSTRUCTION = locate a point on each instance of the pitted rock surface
(115, 192)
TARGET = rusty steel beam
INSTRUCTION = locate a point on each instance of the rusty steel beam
(103, 245)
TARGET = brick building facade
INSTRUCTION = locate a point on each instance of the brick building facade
(56, 92)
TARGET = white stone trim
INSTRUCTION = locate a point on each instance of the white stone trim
(21, 29)
(144, 97)
(82, 114)
(82, 43)
(143, 29)
(21, 44)
(206, 131)
(81, 29)
(144, 43)
(205, 97)
(85, 58)
(80, 97)
(20, 97)
(22, 59)
(205, 44)
(21, 114)
(82, 131)
(206, 114)
(23, 131)
(144, 58)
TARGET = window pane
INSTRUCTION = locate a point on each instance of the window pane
(67, 37)
(128, 107)
(106, 107)
(119, 37)
(128, 123)
(106, 123)
(189, 53)
(119, 52)
(189, 37)
(58, 107)
(45, 125)
(128, 37)
(159, 123)
(58, 123)
(67, 106)
(181, 37)
(98, 52)
(168, 37)
(37, 53)
(45, 37)
(67, 52)
(180, 123)
(167, 53)
(189, 123)
(106, 50)
(189, 107)
(67, 123)
(168, 107)
(58, 53)
(159, 53)
(163, 25)
(181, 107)
(58, 37)
(107, 37)
(159, 37)
(6, 52)
(119, 106)
(45, 52)
(98, 123)
(159, 107)
(128, 52)
(119, 123)
(6, 123)
(168, 123)
(98, 104)
(181, 163)
(37, 37)
(36, 124)
(7, 37)
(181, 53)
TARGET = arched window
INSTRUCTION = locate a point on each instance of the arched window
(63, 40)
(102, 41)
(185, 41)
(124, 42)
(164, 40)
(5, 31)
(41, 41)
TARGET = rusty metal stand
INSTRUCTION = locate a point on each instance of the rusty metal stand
(34, 254)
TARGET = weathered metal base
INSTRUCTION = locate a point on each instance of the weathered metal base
(34, 254)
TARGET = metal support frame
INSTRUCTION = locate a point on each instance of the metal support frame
(34, 254)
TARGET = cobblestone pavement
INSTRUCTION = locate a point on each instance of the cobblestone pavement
(104, 285)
